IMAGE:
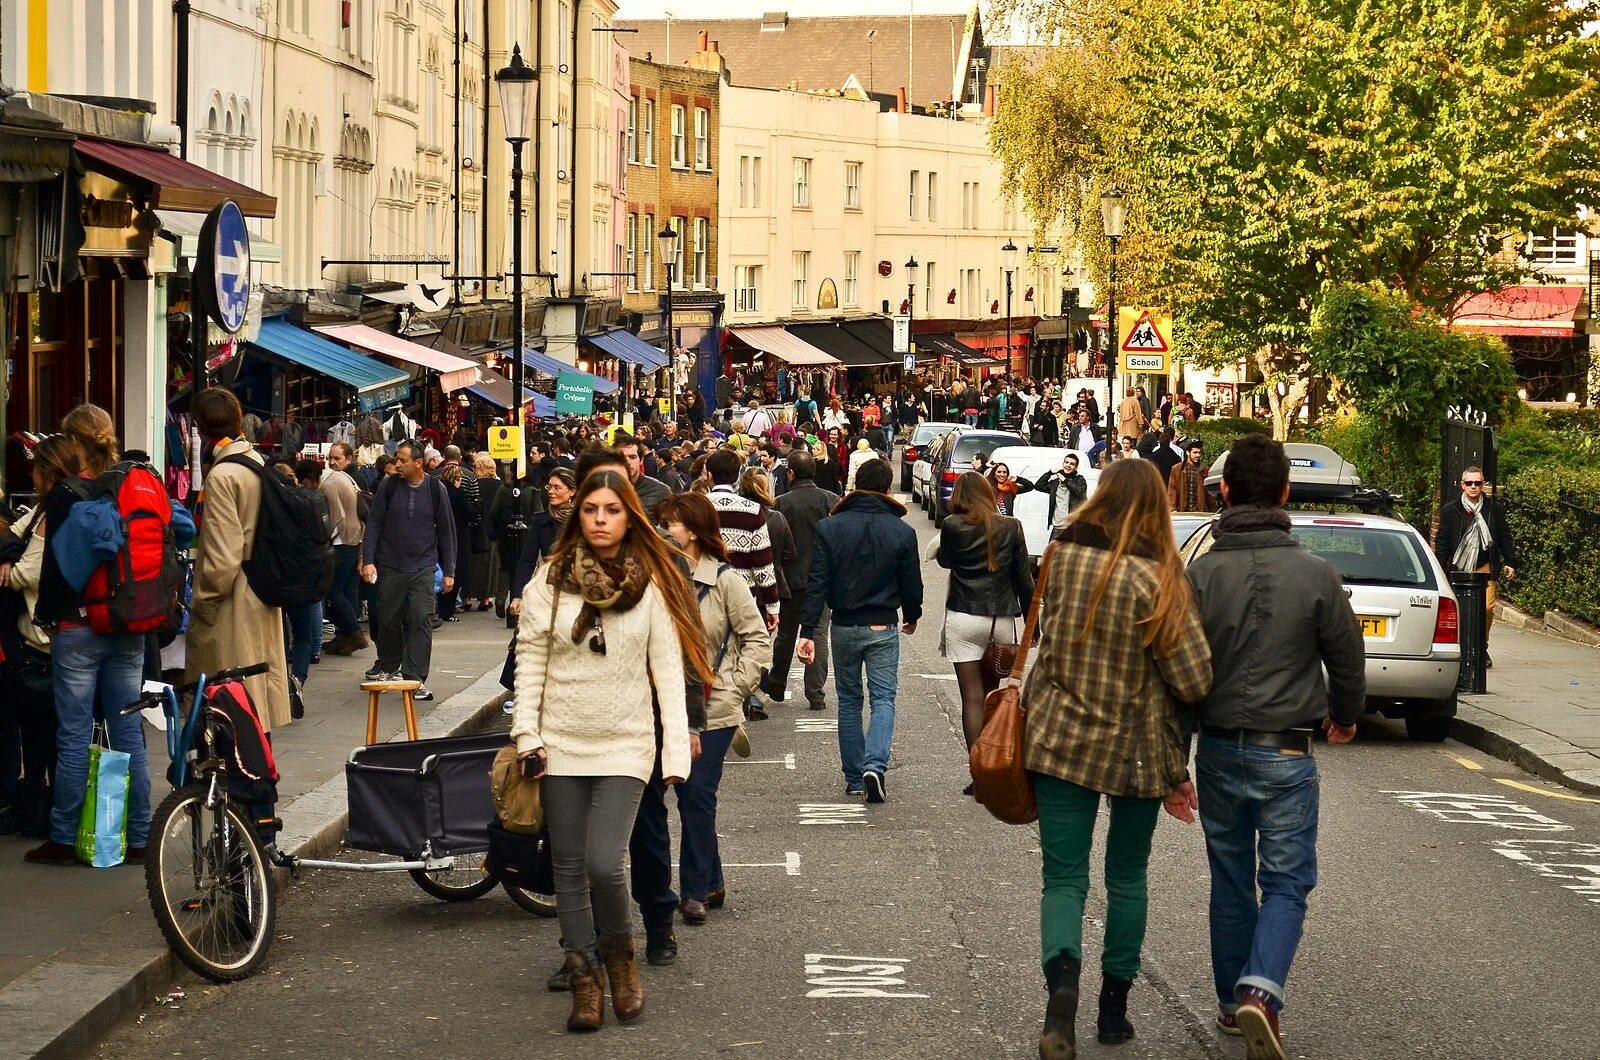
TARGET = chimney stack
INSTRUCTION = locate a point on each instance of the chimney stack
(900, 105)
(700, 41)
(988, 101)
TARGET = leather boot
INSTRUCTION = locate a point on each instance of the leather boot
(1058, 1040)
(622, 970)
(588, 993)
(1113, 1025)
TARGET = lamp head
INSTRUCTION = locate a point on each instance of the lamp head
(1008, 256)
(519, 93)
(911, 268)
(1111, 212)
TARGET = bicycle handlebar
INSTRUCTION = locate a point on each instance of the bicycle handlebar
(233, 673)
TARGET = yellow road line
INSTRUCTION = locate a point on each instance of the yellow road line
(1469, 763)
(1541, 791)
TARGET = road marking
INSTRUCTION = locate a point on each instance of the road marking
(937, 677)
(1541, 791)
(790, 864)
(816, 725)
(837, 976)
(787, 762)
(833, 813)
(1469, 763)
(1585, 874)
(1496, 811)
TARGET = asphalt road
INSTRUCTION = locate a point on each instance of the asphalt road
(1460, 924)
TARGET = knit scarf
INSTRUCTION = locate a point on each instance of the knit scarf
(1247, 518)
(604, 585)
(560, 513)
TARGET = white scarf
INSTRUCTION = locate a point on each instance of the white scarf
(1475, 541)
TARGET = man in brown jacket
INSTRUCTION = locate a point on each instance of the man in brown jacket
(344, 498)
(228, 624)
(1130, 416)
(1186, 483)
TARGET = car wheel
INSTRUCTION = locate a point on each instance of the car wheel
(905, 477)
(1429, 720)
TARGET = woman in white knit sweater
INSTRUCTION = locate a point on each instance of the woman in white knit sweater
(610, 622)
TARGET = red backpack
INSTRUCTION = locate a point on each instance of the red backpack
(139, 590)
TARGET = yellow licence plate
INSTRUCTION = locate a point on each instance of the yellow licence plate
(1373, 627)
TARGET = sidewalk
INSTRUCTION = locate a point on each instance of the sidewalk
(79, 947)
(1542, 710)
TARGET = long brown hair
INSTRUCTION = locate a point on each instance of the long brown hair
(975, 500)
(651, 551)
(54, 457)
(699, 517)
(91, 427)
(1130, 507)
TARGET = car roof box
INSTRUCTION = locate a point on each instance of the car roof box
(1316, 473)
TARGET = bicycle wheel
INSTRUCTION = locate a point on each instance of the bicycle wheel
(542, 905)
(209, 885)
(465, 880)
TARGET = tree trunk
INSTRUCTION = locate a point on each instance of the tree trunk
(1285, 408)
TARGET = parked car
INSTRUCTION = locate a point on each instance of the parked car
(921, 438)
(1184, 525)
(955, 456)
(1408, 613)
(1029, 463)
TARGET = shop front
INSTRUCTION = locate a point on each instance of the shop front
(778, 365)
(1544, 329)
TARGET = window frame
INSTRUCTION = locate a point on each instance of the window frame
(802, 183)
(852, 187)
(680, 136)
(702, 252)
(702, 139)
(800, 280)
(850, 297)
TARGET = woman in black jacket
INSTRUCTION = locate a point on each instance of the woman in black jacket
(991, 583)
(830, 473)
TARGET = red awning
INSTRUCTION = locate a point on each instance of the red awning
(1540, 312)
(175, 184)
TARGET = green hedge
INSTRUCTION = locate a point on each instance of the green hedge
(1220, 434)
(1554, 512)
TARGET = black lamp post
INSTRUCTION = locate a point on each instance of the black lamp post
(911, 305)
(1111, 216)
(519, 94)
(1008, 264)
(668, 238)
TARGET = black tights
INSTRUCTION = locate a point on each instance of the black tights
(969, 677)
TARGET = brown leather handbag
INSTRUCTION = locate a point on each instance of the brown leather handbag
(999, 778)
(998, 659)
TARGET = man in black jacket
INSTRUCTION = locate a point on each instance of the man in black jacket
(804, 505)
(1066, 489)
(1275, 617)
(1474, 536)
(864, 566)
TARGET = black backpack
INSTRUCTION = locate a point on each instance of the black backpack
(291, 562)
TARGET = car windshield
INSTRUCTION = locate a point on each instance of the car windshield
(1369, 555)
(970, 445)
(926, 434)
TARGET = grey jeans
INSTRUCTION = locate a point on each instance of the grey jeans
(403, 630)
(590, 821)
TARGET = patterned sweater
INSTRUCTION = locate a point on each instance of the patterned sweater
(744, 531)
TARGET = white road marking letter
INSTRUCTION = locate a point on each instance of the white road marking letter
(833, 813)
(828, 976)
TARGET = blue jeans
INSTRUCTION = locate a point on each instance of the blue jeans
(85, 666)
(1259, 809)
(878, 650)
(305, 638)
(700, 862)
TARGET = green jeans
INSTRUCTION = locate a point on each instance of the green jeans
(1066, 836)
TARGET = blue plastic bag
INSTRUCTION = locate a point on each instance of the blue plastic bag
(438, 579)
(103, 824)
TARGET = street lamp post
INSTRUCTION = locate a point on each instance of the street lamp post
(1111, 216)
(668, 237)
(519, 92)
(1008, 263)
(911, 304)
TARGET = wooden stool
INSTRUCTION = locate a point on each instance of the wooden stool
(374, 689)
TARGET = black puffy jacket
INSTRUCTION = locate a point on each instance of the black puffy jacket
(864, 565)
(974, 588)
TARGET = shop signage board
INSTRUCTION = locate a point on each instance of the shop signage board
(384, 396)
(909, 362)
(574, 396)
(902, 334)
(1144, 338)
(505, 442)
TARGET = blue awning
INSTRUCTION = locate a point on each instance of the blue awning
(376, 384)
(538, 361)
(496, 390)
(625, 346)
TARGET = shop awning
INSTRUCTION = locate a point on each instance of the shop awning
(184, 227)
(455, 373)
(627, 347)
(543, 363)
(778, 343)
(877, 334)
(946, 344)
(496, 390)
(840, 344)
(1539, 312)
(376, 384)
(176, 184)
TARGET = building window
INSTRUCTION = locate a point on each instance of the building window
(914, 197)
(633, 129)
(928, 271)
(647, 243)
(746, 281)
(802, 270)
(632, 268)
(680, 143)
(933, 196)
(647, 135)
(852, 185)
(755, 182)
(702, 138)
(744, 182)
(802, 183)
(679, 225)
(969, 204)
(852, 269)
(702, 251)
(1559, 246)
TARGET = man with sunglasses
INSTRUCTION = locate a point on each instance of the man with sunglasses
(1474, 536)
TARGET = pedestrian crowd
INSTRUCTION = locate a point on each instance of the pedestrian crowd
(658, 581)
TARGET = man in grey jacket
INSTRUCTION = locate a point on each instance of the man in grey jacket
(804, 506)
(1275, 616)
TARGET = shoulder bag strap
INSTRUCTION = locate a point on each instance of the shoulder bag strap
(1032, 623)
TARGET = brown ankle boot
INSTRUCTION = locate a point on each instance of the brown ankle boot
(627, 995)
(588, 994)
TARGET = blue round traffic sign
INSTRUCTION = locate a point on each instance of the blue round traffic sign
(222, 267)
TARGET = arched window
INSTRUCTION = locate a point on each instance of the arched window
(213, 147)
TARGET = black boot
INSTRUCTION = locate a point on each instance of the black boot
(1057, 1041)
(1113, 1025)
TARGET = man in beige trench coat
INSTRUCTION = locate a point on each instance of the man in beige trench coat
(228, 623)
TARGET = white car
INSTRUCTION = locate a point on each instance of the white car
(916, 454)
(1032, 509)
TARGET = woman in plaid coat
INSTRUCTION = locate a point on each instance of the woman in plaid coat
(1121, 647)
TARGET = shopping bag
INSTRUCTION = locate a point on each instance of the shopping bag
(103, 824)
